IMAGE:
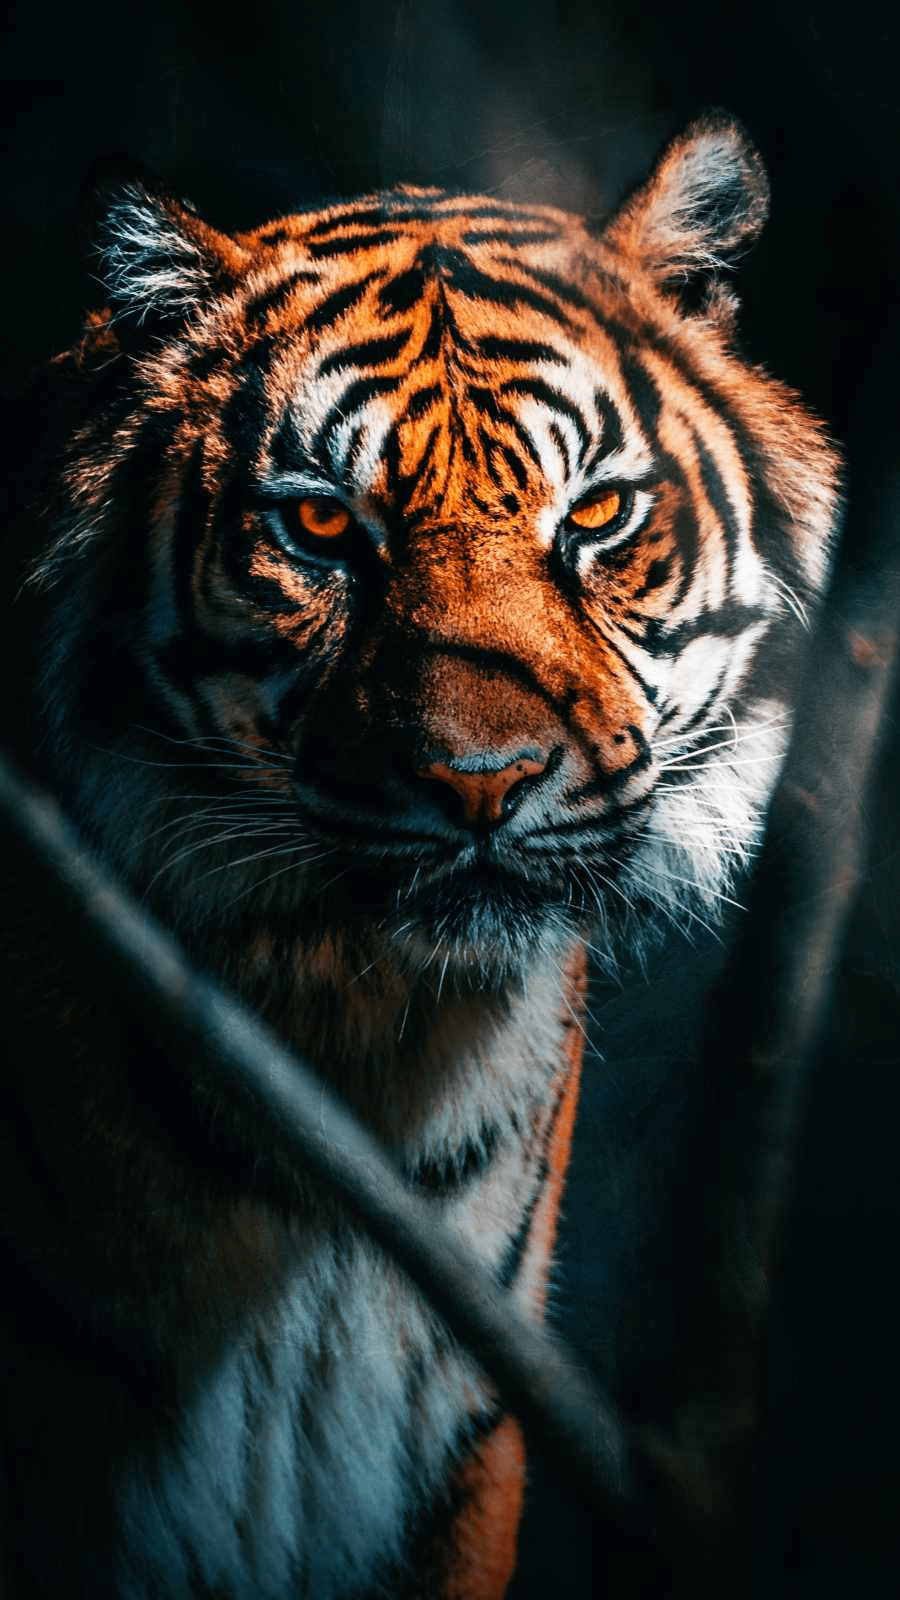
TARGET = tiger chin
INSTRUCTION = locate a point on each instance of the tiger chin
(414, 601)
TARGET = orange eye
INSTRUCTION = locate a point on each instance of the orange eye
(594, 514)
(323, 517)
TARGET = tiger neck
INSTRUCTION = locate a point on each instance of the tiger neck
(427, 1060)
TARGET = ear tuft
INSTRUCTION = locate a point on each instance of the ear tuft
(702, 207)
(158, 261)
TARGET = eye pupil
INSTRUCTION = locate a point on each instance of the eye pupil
(596, 513)
(323, 517)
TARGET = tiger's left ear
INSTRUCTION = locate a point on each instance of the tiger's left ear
(159, 262)
(702, 207)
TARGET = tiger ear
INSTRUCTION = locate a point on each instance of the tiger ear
(158, 261)
(701, 208)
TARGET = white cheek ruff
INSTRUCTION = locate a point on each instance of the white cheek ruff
(706, 662)
(702, 832)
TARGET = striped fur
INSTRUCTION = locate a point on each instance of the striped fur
(267, 732)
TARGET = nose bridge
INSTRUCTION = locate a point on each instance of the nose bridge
(480, 584)
(481, 710)
(479, 609)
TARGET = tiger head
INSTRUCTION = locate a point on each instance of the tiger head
(431, 565)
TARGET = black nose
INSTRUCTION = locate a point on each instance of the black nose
(485, 799)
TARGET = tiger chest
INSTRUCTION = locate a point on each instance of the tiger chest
(304, 1457)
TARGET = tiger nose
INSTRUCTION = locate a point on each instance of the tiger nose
(482, 799)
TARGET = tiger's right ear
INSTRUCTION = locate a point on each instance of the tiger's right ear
(700, 209)
(158, 261)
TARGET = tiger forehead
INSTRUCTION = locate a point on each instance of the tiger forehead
(329, 276)
(422, 342)
(416, 216)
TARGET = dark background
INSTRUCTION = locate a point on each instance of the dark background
(285, 105)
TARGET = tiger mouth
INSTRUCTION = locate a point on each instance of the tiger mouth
(479, 886)
(484, 916)
(482, 913)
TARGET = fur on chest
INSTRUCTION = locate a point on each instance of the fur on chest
(297, 1463)
(298, 1460)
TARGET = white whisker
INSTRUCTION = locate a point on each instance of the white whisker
(690, 883)
(688, 763)
(291, 866)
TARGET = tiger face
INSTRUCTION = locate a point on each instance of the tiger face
(435, 562)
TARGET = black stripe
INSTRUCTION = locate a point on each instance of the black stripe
(494, 348)
(620, 817)
(517, 1246)
(684, 530)
(394, 208)
(717, 494)
(368, 353)
(484, 400)
(511, 421)
(471, 1160)
(490, 448)
(650, 694)
(351, 218)
(698, 718)
(727, 622)
(480, 504)
(493, 448)
(657, 574)
(559, 439)
(510, 236)
(286, 448)
(515, 465)
(355, 398)
(420, 479)
(642, 387)
(432, 343)
(730, 621)
(561, 288)
(244, 416)
(468, 280)
(554, 400)
(273, 298)
(346, 244)
(423, 485)
(401, 293)
(341, 300)
(422, 401)
(455, 206)
(351, 460)
(611, 434)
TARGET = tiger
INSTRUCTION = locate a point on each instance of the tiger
(411, 613)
